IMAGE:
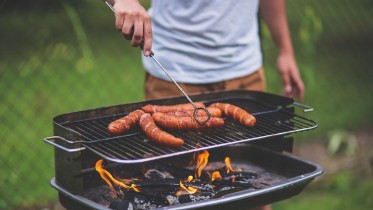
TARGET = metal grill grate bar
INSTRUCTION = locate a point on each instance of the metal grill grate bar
(134, 147)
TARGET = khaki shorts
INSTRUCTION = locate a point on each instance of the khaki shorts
(158, 88)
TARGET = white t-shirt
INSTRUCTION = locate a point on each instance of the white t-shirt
(204, 41)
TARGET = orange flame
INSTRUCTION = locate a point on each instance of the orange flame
(190, 190)
(105, 175)
(215, 175)
(202, 161)
(227, 161)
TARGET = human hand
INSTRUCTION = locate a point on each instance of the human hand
(293, 84)
(134, 22)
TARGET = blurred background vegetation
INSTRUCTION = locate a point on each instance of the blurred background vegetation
(63, 56)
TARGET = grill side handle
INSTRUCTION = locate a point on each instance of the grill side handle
(306, 108)
(51, 140)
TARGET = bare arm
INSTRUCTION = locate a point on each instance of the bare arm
(274, 14)
(134, 22)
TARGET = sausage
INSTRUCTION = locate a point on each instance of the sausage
(184, 123)
(236, 112)
(125, 123)
(214, 112)
(150, 108)
(155, 134)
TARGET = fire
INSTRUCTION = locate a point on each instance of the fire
(190, 190)
(202, 161)
(105, 175)
(215, 175)
(227, 161)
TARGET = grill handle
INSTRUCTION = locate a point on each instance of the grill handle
(306, 108)
(50, 140)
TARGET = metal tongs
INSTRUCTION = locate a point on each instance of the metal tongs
(196, 109)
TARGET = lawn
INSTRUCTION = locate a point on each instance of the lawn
(67, 56)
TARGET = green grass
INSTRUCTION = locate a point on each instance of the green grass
(46, 71)
(69, 57)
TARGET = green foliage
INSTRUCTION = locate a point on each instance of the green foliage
(309, 30)
(342, 142)
(85, 63)
(67, 56)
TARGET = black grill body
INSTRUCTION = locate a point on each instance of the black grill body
(295, 175)
(81, 139)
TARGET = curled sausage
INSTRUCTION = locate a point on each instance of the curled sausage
(183, 123)
(155, 134)
(150, 108)
(236, 112)
(215, 112)
(125, 123)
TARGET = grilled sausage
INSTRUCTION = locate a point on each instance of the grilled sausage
(155, 134)
(236, 112)
(125, 123)
(150, 108)
(184, 123)
(215, 112)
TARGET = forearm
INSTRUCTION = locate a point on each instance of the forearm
(274, 15)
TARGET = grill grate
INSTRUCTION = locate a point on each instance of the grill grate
(134, 147)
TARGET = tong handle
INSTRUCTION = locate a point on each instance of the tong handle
(201, 122)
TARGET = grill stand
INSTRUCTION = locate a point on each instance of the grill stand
(69, 165)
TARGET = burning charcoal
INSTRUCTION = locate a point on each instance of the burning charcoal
(236, 179)
(225, 190)
(140, 202)
(203, 187)
(237, 174)
(204, 196)
(167, 185)
(184, 198)
(205, 177)
(121, 205)
(223, 182)
(102, 195)
(149, 197)
(172, 200)
(183, 173)
(156, 186)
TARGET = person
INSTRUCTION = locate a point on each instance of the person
(208, 45)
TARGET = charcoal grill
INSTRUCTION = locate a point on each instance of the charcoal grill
(81, 138)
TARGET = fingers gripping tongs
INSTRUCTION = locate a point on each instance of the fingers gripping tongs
(201, 121)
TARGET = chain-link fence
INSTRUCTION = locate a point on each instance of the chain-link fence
(64, 56)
